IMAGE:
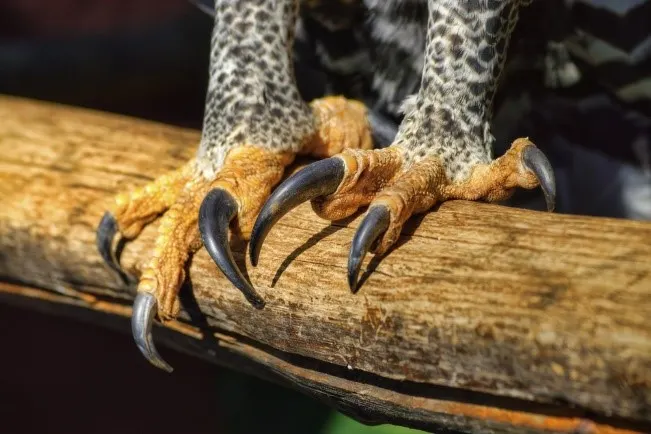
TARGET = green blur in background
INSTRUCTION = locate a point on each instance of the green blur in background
(256, 406)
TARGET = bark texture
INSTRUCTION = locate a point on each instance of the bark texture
(483, 318)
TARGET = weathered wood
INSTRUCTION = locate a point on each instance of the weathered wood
(484, 318)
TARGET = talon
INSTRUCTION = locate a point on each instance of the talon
(105, 235)
(217, 210)
(318, 179)
(374, 224)
(144, 309)
(534, 160)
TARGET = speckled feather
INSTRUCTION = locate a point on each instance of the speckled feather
(448, 53)
(465, 53)
(252, 97)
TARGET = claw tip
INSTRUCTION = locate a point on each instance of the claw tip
(257, 303)
(144, 309)
(353, 273)
(536, 161)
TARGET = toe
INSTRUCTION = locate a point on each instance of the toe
(132, 211)
(135, 209)
(523, 166)
(340, 124)
(163, 275)
(177, 238)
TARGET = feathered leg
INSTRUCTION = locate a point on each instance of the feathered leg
(443, 149)
(255, 123)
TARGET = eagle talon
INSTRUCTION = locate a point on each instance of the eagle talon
(374, 224)
(321, 178)
(217, 210)
(535, 160)
(142, 318)
(105, 235)
(255, 123)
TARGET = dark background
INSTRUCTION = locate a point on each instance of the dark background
(59, 375)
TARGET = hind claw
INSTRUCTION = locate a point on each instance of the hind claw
(536, 161)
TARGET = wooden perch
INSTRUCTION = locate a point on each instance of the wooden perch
(483, 319)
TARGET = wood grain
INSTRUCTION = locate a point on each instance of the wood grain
(484, 318)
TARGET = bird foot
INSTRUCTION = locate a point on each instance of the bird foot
(394, 191)
(190, 207)
(196, 209)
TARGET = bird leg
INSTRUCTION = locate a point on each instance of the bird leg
(255, 123)
(196, 210)
(443, 147)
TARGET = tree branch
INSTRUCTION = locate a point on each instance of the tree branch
(483, 319)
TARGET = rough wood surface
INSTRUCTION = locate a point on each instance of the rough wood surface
(483, 319)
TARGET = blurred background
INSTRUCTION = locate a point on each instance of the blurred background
(578, 84)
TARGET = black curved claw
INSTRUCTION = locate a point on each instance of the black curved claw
(318, 179)
(144, 310)
(105, 234)
(374, 224)
(534, 160)
(217, 210)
